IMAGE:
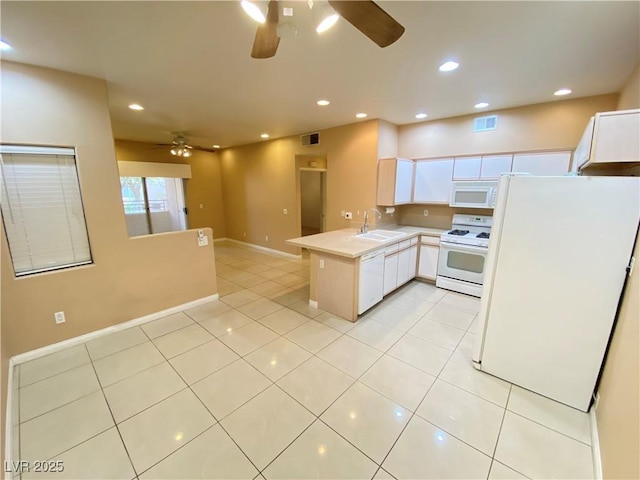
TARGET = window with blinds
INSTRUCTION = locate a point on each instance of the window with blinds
(42, 209)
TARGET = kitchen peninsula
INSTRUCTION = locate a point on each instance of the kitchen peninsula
(350, 273)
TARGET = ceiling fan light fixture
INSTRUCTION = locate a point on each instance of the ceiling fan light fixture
(174, 151)
(257, 10)
(186, 152)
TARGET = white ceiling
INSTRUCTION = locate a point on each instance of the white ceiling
(189, 63)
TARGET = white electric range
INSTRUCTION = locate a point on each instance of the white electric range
(463, 254)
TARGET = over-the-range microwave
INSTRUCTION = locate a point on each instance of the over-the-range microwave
(473, 194)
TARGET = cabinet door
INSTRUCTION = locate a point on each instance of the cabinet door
(404, 181)
(616, 137)
(466, 168)
(433, 181)
(428, 266)
(413, 262)
(494, 165)
(404, 267)
(390, 273)
(546, 163)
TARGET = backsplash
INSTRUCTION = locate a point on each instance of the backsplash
(440, 216)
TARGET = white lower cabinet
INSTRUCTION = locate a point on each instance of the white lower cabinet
(428, 263)
(407, 265)
(390, 272)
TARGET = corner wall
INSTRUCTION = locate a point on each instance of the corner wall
(618, 412)
(259, 182)
(129, 277)
(204, 188)
(630, 93)
(545, 126)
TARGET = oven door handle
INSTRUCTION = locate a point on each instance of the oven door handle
(463, 248)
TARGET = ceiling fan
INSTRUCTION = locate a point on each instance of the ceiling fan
(181, 148)
(365, 15)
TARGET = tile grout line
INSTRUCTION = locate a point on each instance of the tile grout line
(115, 423)
(495, 448)
(218, 422)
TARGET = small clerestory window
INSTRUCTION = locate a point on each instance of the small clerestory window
(42, 209)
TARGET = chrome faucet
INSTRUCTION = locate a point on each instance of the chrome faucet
(365, 227)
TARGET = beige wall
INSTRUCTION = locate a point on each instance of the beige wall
(554, 125)
(630, 94)
(203, 188)
(259, 181)
(129, 277)
(618, 413)
(387, 139)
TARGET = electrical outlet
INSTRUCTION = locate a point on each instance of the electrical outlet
(244, 234)
(201, 206)
(425, 213)
(321, 263)
(285, 211)
(266, 238)
(203, 240)
(59, 316)
(348, 215)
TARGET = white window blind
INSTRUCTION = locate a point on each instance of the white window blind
(42, 209)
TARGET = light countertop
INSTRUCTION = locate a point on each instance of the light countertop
(344, 243)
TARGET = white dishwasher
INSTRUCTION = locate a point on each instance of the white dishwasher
(371, 283)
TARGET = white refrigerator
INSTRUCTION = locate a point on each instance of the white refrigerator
(557, 262)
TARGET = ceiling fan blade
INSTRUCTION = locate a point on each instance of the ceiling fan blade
(266, 42)
(370, 19)
(203, 149)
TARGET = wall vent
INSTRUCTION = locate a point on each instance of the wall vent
(484, 124)
(309, 139)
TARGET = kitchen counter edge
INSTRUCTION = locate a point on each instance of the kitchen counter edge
(344, 243)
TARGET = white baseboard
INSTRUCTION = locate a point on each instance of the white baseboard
(223, 239)
(264, 249)
(595, 445)
(71, 342)
(8, 421)
(313, 303)
(41, 352)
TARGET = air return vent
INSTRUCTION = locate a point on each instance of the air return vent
(309, 139)
(484, 124)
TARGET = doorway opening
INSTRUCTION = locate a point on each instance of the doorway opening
(313, 202)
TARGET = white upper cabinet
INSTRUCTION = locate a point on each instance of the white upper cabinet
(494, 165)
(610, 138)
(546, 163)
(395, 181)
(433, 181)
(466, 168)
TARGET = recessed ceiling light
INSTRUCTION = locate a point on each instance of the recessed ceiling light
(323, 103)
(361, 115)
(448, 66)
(264, 135)
(421, 115)
(4, 45)
(135, 106)
(481, 105)
(215, 146)
(562, 91)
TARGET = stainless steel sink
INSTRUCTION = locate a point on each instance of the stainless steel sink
(380, 235)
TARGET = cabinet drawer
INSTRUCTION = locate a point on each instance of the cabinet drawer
(404, 244)
(391, 249)
(425, 240)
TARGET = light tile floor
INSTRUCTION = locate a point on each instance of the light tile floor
(260, 385)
